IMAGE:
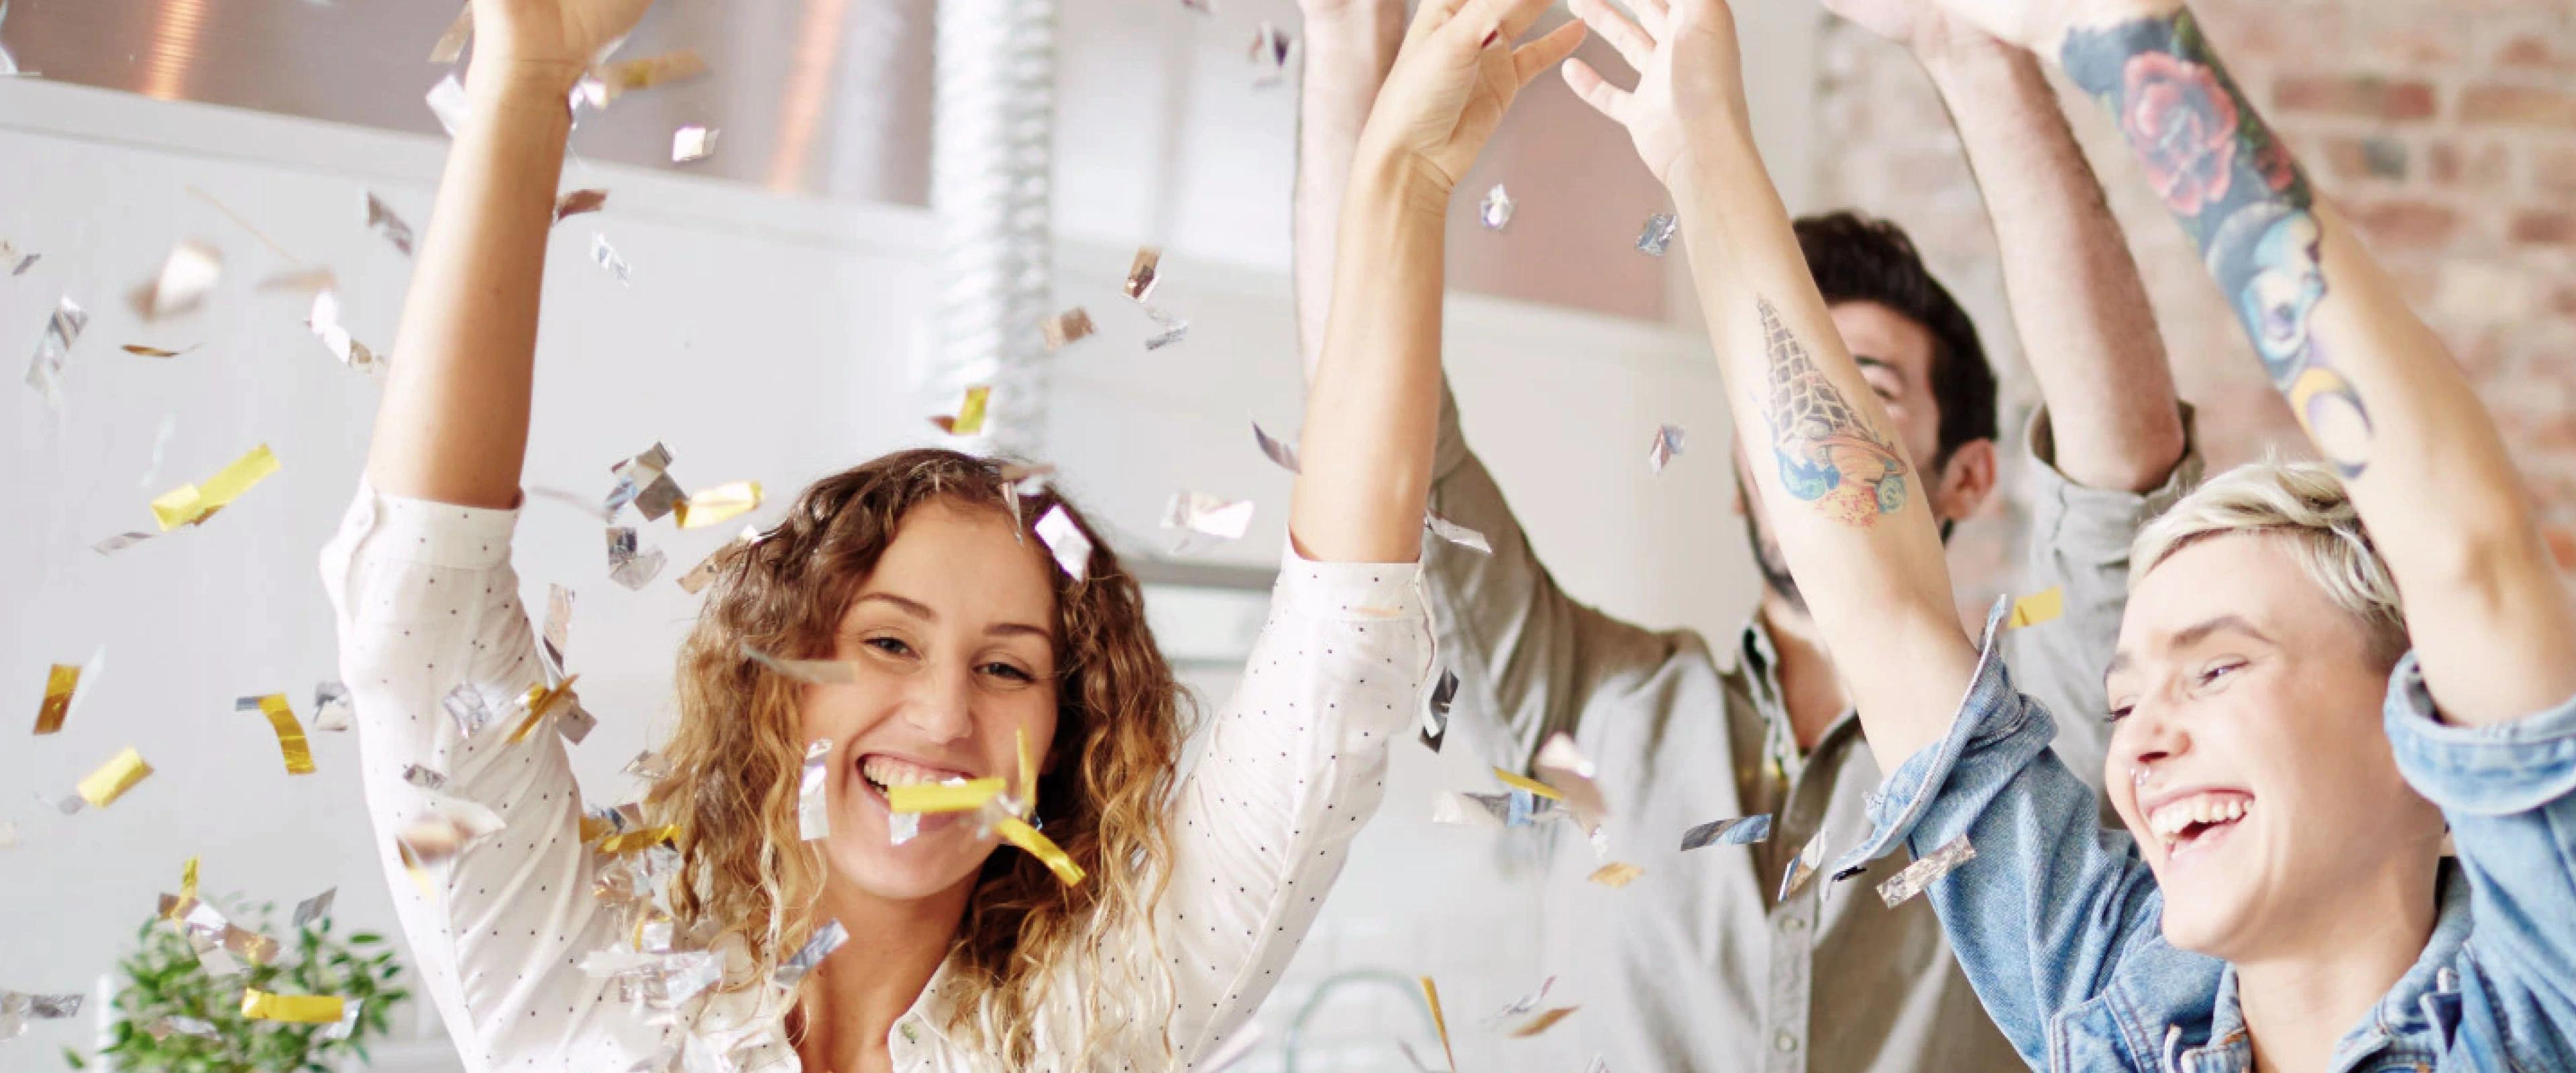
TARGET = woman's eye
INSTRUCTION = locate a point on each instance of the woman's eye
(892, 646)
(2119, 712)
(1007, 672)
(2212, 674)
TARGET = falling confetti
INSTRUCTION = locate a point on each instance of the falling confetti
(628, 565)
(141, 351)
(1920, 874)
(112, 779)
(1743, 831)
(1168, 329)
(2036, 608)
(62, 330)
(315, 908)
(1071, 326)
(12, 260)
(1567, 771)
(826, 939)
(423, 777)
(1456, 533)
(1658, 234)
(607, 83)
(1668, 443)
(699, 576)
(1431, 997)
(382, 221)
(953, 795)
(580, 202)
(1281, 453)
(290, 734)
(452, 43)
(1435, 709)
(119, 542)
(717, 505)
(1072, 549)
(969, 420)
(1017, 832)
(1542, 1022)
(1803, 868)
(1144, 273)
(187, 276)
(1496, 209)
(558, 631)
(644, 481)
(811, 671)
(259, 1005)
(607, 257)
(1269, 55)
(1616, 874)
(332, 710)
(466, 707)
(325, 322)
(1207, 515)
(191, 504)
(447, 102)
(61, 682)
(693, 143)
(452, 823)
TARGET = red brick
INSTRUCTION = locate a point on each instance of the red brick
(2362, 96)
(2536, 52)
(2545, 228)
(2562, 545)
(2554, 171)
(2406, 224)
(2519, 106)
(2367, 158)
(2487, 166)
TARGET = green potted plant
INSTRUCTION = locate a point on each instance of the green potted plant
(174, 1015)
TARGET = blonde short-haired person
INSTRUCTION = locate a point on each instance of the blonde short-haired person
(2288, 744)
(954, 637)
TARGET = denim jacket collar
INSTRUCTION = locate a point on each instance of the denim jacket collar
(2420, 1010)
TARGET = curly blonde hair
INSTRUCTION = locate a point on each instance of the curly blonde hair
(735, 757)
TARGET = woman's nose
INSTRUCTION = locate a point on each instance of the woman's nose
(942, 704)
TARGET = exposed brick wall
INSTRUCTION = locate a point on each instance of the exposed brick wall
(2446, 129)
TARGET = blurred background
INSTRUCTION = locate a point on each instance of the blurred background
(900, 191)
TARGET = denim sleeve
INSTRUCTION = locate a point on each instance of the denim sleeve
(2052, 903)
(2509, 792)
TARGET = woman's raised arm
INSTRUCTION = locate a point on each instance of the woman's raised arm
(453, 426)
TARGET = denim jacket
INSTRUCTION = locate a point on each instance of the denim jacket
(2058, 921)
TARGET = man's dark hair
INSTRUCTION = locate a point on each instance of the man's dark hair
(1859, 259)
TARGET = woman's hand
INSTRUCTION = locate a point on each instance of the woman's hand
(1689, 100)
(1926, 28)
(556, 38)
(1453, 79)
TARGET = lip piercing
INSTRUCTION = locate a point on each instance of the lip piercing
(2140, 775)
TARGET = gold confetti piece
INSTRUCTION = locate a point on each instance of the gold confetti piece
(1524, 782)
(540, 700)
(1028, 778)
(1743, 831)
(1916, 876)
(821, 672)
(630, 841)
(1496, 210)
(970, 413)
(63, 329)
(447, 102)
(1803, 869)
(1431, 995)
(187, 276)
(1269, 55)
(60, 682)
(607, 257)
(813, 792)
(961, 795)
(382, 221)
(187, 892)
(141, 351)
(1071, 546)
(290, 734)
(191, 504)
(1281, 453)
(693, 143)
(102, 787)
(452, 43)
(717, 505)
(1071, 326)
(1207, 515)
(1018, 833)
(1658, 234)
(1668, 443)
(1144, 272)
(580, 202)
(610, 81)
(1542, 1022)
(324, 320)
(259, 1005)
(2037, 608)
(1615, 874)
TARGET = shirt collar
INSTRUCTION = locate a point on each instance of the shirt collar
(2400, 1012)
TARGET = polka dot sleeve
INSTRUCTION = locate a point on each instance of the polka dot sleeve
(1295, 763)
(427, 606)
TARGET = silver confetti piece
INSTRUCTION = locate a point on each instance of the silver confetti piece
(902, 827)
(574, 722)
(1458, 809)
(558, 629)
(1523, 1004)
(645, 481)
(1269, 54)
(1281, 453)
(382, 221)
(316, 907)
(1144, 273)
(447, 102)
(450, 825)
(120, 542)
(62, 330)
(826, 939)
(648, 766)
(1208, 515)
(813, 800)
(607, 257)
(465, 705)
(1456, 533)
(1071, 547)
(1668, 443)
(1168, 329)
(1920, 874)
(332, 710)
(187, 276)
(1435, 709)
(452, 43)
(13, 260)
(1496, 210)
(1658, 234)
(810, 671)
(1742, 831)
(325, 322)
(693, 143)
(176, 1025)
(347, 1023)
(1803, 868)
(1564, 768)
(628, 563)
(423, 777)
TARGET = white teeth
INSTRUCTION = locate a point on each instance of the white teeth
(2171, 819)
(889, 772)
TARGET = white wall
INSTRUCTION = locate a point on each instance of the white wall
(763, 338)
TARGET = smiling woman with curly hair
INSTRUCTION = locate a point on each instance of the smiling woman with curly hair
(903, 631)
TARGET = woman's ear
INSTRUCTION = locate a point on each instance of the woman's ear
(1965, 481)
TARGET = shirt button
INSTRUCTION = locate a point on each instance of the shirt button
(1785, 1043)
(1794, 925)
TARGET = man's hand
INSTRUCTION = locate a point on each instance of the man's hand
(557, 38)
(1690, 79)
(1453, 79)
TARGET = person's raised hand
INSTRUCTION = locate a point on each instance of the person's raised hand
(1924, 27)
(557, 38)
(1454, 77)
(2038, 25)
(1690, 78)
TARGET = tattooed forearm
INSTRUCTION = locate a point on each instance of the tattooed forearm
(2234, 187)
(1828, 455)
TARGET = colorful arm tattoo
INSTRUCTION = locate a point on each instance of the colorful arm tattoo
(1828, 456)
(2235, 188)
